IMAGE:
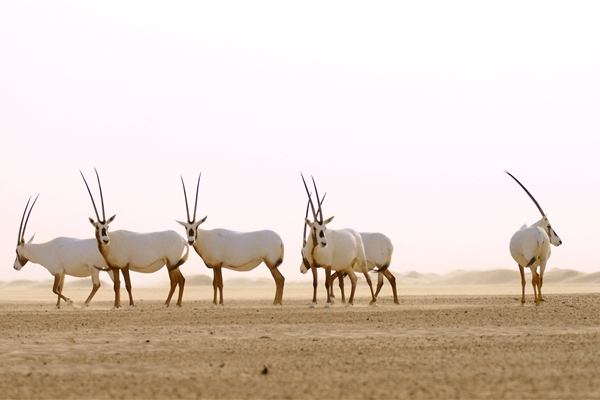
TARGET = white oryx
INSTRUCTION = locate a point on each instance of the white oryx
(238, 251)
(378, 250)
(530, 247)
(139, 252)
(337, 250)
(61, 256)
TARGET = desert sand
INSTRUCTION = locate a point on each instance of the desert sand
(450, 337)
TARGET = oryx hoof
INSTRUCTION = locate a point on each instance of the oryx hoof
(328, 305)
(374, 304)
(349, 305)
(312, 305)
(70, 302)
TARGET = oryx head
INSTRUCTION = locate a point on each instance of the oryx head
(544, 223)
(21, 260)
(191, 226)
(305, 266)
(318, 226)
(100, 225)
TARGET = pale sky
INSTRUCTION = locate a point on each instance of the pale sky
(406, 113)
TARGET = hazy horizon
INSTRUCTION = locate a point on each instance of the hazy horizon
(407, 115)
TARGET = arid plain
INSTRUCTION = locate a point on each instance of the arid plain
(464, 335)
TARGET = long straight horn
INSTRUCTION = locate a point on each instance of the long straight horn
(318, 200)
(187, 209)
(527, 191)
(305, 217)
(320, 204)
(101, 196)
(28, 214)
(196, 202)
(312, 206)
(23, 219)
(91, 197)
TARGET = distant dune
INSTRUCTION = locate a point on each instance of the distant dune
(411, 278)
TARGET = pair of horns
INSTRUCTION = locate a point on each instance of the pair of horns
(318, 216)
(92, 197)
(527, 191)
(306, 214)
(23, 226)
(187, 209)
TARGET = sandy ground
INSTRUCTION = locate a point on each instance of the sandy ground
(440, 342)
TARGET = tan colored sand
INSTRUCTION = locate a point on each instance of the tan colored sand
(459, 343)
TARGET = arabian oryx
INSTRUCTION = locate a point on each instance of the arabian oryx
(530, 247)
(139, 252)
(338, 250)
(238, 251)
(378, 250)
(61, 256)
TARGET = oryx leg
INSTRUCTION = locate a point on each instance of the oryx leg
(535, 279)
(174, 278)
(340, 275)
(333, 277)
(217, 285)
(390, 277)
(127, 280)
(117, 287)
(523, 282)
(95, 287)
(373, 297)
(279, 282)
(315, 284)
(181, 283)
(353, 280)
(541, 281)
(327, 286)
(379, 283)
(57, 288)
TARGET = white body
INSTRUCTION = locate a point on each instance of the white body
(239, 251)
(530, 243)
(336, 250)
(530, 248)
(344, 251)
(143, 252)
(66, 256)
(378, 250)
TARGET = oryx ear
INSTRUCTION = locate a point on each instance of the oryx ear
(92, 222)
(201, 221)
(111, 219)
(328, 220)
(307, 221)
(181, 223)
(31, 240)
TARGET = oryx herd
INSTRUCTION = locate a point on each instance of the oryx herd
(343, 251)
